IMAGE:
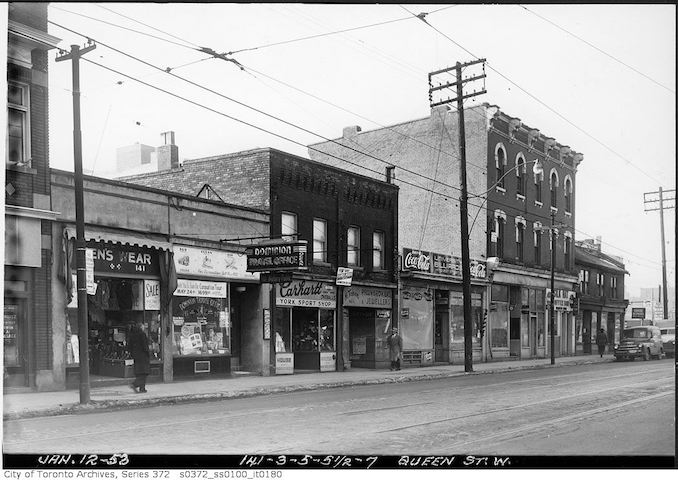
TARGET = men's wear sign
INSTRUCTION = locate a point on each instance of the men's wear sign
(124, 259)
(211, 263)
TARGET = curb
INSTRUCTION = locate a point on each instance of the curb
(113, 405)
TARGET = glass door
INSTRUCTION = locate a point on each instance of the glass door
(14, 358)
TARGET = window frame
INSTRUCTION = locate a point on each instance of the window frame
(500, 165)
(378, 252)
(554, 188)
(568, 194)
(289, 237)
(537, 246)
(520, 241)
(353, 248)
(520, 174)
(500, 227)
(24, 110)
(319, 256)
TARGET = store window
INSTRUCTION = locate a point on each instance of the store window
(288, 226)
(201, 318)
(18, 150)
(302, 329)
(416, 322)
(378, 250)
(353, 246)
(319, 240)
(283, 333)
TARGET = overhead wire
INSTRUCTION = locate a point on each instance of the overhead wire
(597, 49)
(304, 145)
(538, 100)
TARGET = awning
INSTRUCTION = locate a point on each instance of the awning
(101, 234)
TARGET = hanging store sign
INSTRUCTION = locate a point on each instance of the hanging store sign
(306, 293)
(449, 265)
(114, 258)
(277, 257)
(367, 297)
(561, 299)
(344, 277)
(197, 288)
(205, 262)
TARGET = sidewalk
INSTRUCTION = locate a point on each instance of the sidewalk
(37, 404)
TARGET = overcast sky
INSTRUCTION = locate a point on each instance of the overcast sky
(599, 78)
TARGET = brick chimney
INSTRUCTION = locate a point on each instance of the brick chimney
(168, 152)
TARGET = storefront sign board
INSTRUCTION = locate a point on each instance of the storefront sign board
(284, 363)
(199, 288)
(211, 263)
(368, 297)
(430, 262)
(124, 259)
(152, 294)
(328, 361)
(267, 324)
(277, 257)
(306, 293)
(638, 312)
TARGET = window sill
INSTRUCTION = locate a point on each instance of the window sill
(568, 214)
(554, 209)
(500, 189)
(319, 263)
(520, 197)
(538, 204)
(20, 168)
(356, 268)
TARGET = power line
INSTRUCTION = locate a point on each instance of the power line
(598, 49)
(553, 110)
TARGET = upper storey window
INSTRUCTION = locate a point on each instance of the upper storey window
(520, 174)
(17, 143)
(568, 195)
(554, 189)
(288, 226)
(500, 165)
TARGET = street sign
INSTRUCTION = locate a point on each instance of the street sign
(344, 276)
(638, 312)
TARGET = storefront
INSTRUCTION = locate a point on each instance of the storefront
(432, 308)
(304, 326)
(206, 319)
(369, 314)
(123, 287)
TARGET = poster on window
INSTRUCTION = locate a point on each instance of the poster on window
(152, 294)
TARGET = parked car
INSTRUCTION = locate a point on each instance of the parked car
(639, 342)
(669, 340)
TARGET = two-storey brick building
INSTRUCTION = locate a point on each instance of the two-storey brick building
(504, 221)
(601, 302)
(28, 211)
(347, 220)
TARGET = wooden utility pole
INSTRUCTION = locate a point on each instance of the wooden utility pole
(651, 201)
(80, 245)
(463, 201)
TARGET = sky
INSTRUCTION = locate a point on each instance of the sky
(599, 78)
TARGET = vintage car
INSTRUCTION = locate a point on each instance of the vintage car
(639, 342)
(669, 340)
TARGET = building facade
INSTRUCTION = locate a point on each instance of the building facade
(509, 301)
(601, 302)
(28, 211)
(333, 217)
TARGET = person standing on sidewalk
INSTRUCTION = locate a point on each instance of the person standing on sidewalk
(395, 346)
(601, 341)
(137, 345)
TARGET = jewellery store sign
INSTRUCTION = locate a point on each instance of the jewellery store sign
(306, 293)
(368, 297)
(429, 262)
(211, 263)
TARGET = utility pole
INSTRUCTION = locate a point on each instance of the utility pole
(80, 245)
(463, 201)
(552, 312)
(651, 201)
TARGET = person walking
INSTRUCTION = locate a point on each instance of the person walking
(601, 341)
(395, 346)
(137, 345)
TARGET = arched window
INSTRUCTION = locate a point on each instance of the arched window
(538, 181)
(520, 174)
(537, 243)
(554, 189)
(520, 241)
(568, 194)
(499, 228)
(500, 164)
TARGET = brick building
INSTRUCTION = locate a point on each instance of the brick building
(424, 153)
(600, 293)
(347, 220)
(28, 212)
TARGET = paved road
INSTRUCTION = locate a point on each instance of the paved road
(602, 409)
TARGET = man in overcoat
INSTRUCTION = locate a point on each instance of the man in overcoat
(601, 341)
(137, 345)
(395, 346)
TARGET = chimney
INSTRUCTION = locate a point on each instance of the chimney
(351, 131)
(168, 152)
(599, 242)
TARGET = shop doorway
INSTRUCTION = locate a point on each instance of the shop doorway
(442, 334)
(15, 345)
(586, 332)
(361, 328)
(514, 337)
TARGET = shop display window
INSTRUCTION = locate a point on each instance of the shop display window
(281, 327)
(416, 328)
(305, 336)
(201, 326)
(499, 326)
(326, 330)
(541, 329)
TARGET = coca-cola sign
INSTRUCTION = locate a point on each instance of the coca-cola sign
(416, 260)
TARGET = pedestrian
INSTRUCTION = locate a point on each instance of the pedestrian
(137, 345)
(601, 341)
(395, 346)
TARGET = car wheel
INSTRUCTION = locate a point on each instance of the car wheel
(646, 354)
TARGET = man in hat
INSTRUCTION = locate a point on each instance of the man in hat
(395, 346)
(601, 341)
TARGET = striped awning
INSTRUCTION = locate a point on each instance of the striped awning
(124, 237)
